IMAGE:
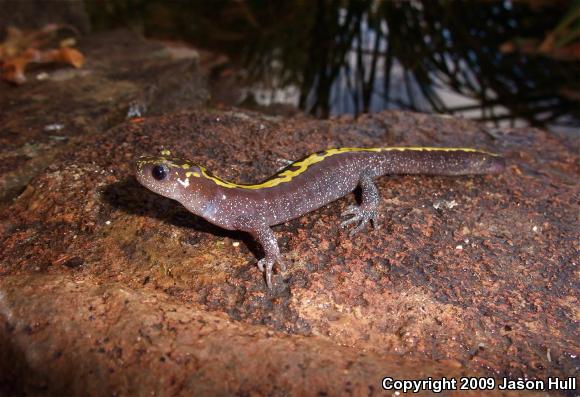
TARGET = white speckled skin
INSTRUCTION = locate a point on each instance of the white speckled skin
(254, 208)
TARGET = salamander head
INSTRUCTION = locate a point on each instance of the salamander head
(167, 176)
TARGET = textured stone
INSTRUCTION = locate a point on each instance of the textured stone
(107, 288)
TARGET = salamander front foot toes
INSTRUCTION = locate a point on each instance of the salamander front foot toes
(266, 265)
(261, 263)
(281, 264)
(360, 218)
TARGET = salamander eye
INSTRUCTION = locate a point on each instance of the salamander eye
(159, 172)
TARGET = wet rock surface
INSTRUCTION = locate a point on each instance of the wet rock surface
(124, 76)
(118, 341)
(107, 288)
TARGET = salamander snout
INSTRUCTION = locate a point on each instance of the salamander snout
(168, 176)
(159, 175)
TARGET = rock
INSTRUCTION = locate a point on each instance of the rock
(123, 72)
(118, 341)
(107, 288)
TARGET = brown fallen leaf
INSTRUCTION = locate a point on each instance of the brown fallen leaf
(22, 48)
(13, 68)
(66, 55)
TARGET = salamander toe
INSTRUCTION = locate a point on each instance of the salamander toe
(360, 217)
(266, 266)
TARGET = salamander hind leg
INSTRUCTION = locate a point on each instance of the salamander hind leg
(264, 235)
(360, 215)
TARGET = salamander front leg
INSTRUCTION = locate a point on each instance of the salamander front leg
(367, 211)
(266, 238)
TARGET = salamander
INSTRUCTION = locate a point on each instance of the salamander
(303, 186)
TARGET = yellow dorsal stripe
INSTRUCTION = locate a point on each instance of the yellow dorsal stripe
(300, 166)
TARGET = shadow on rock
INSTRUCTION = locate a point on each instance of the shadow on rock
(132, 198)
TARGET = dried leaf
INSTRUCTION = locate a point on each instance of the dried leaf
(21, 48)
(72, 57)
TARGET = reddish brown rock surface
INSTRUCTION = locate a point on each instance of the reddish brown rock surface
(123, 75)
(107, 288)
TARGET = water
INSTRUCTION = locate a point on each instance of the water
(475, 59)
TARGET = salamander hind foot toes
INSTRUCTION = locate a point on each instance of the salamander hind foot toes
(360, 218)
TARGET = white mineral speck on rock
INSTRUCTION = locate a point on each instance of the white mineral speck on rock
(54, 127)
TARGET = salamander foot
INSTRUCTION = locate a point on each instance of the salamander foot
(267, 265)
(360, 216)
(264, 235)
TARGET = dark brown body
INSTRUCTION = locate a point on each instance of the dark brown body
(304, 186)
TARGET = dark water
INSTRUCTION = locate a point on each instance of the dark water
(487, 60)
